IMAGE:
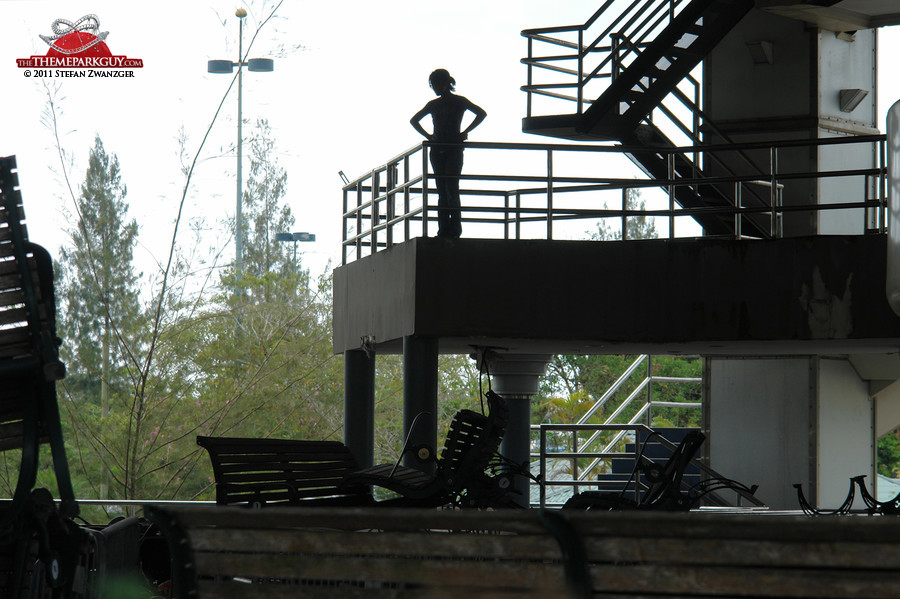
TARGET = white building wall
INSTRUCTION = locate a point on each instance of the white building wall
(845, 64)
(845, 436)
(758, 415)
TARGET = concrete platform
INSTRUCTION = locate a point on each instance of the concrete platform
(812, 295)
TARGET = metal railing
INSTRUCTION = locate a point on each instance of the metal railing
(620, 39)
(540, 191)
(574, 63)
(599, 447)
(633, 485)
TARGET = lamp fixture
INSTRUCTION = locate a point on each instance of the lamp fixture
(762, 52)
(850, 98)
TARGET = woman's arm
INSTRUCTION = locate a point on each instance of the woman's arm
(415, 121)
(479, 117)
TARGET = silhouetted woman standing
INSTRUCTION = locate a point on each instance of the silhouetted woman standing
(447, 111)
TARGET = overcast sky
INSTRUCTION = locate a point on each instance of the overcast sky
(348, 75)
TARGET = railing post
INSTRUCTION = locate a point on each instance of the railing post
(543, 467)
(624, 215)
(373, 216)
(506, 216)
(424, 189)
(738, 204)
(637, 463)
(528, 80)
(390, 198)
(670, 159)
(359, 201)
(518, 215)
(883, 186)
(406, 197)
(773, 189)
(575, 459)
(549, 194)
(344, 230)
(580, 88)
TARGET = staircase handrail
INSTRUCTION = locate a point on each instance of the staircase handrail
(623, 429)
(612, 390)
(616, 439)
(637, 22)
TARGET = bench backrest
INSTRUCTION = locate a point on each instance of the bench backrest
(666, 492)
(472, 441)
(259, 472)
(28, 343)
(29, 347)
(378, 552)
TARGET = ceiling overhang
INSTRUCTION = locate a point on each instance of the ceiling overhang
(843, 15)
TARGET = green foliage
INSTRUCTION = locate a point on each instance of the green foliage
(888, 455)
(636, 227)
(458, 388)
(250, 356)
(104, 328)
(266, 261)
(575, 384)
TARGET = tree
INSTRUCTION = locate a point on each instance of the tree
(636, 227)
(99, 286)
(268, 263)
(888, 454)
(101, 318)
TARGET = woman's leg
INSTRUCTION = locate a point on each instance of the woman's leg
(439, 166)
(454, 205)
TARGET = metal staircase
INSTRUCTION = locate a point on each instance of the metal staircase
(645, 54)
(645, 74)
(613, 456)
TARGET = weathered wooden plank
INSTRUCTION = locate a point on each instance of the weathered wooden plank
(471, 573)
(775, 581)
(261, 590)
(407, 553)
(741, 552)
(426, 545)
(723, 526)
(363, 518)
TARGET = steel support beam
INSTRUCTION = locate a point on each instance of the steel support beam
(359, 405)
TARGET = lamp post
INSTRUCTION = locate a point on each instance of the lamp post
(259, 65)
(295, 237)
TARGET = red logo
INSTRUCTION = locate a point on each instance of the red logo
(78, 45)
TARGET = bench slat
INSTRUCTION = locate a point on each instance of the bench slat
(470, 574)
(282, 471)
(344, 543)
(236, 590)
(777, 581)
(741, 552)
(628, 554)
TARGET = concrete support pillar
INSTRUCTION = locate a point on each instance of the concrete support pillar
(420, 384)
(775, 422)
(515, 377)
(359, 405)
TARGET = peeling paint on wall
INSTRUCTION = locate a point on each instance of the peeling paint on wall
(827, 315)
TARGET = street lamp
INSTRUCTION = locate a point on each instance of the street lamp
(258, 65)
(295, 237)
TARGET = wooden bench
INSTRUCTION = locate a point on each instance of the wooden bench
(29, 369)
(260, 472)
(400, 553)
(460, 477)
